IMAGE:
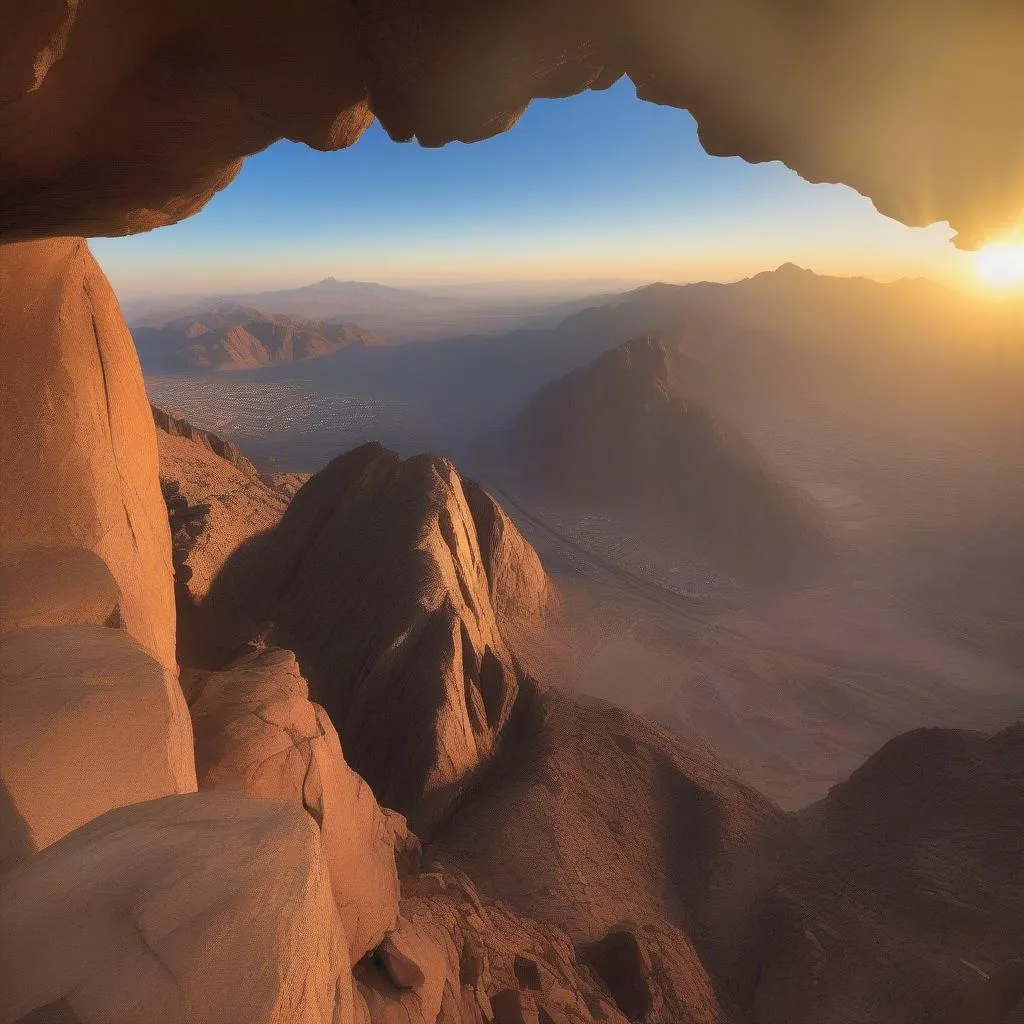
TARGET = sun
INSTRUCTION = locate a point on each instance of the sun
(1001, 264)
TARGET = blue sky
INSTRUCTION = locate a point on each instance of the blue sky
(599, 185)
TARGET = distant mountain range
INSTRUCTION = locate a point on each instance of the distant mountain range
(235, 337)
(397, 315)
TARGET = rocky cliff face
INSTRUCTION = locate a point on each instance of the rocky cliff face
(78, 458)
(216, 501)
(376, 577)
(616, 434)
(232, 337)
(215, 497)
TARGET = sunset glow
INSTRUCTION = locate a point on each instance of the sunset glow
(1001, 265)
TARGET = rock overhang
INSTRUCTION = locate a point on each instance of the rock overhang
(121, 118)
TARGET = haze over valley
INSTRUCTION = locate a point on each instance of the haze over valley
(875, 425)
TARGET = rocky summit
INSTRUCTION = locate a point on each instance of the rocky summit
(619, 434)
(396, 582)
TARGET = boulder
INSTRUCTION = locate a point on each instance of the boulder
(256, 732)
(89, 721)
(41, 586)
(208, 908)
(404, 982)
(88, 479)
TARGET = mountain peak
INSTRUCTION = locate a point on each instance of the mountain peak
(792, 270)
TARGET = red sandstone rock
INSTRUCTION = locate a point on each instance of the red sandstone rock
(78, 459)
(256, 732)
(89, 721)
(210, 908)
(41, 586)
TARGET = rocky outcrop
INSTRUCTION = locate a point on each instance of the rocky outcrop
(215, 502)
(178, 426)
(591, 816)
(493, 962)
(375, 578)
(78, 458)
(519, 587)
(210, 908)
(616, 434)
(256, 732)
(233, 337)
(842, 93)
(89, 721)
(215, 498)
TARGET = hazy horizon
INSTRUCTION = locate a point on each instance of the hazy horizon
(550, 201)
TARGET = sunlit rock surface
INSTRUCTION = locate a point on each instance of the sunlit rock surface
(89, 721)
(210, 908)
(44, 586)
(78, 458)
(257, 733)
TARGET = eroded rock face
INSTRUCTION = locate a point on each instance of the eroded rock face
(210, 908)
(376, 579)
(89, 721)
(78, 459)
(256, 732)
(118, 119)
(215, 501)
(519, 587)
(591, 816)
(484, 945)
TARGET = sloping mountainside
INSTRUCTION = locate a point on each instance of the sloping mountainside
(399, 586)
(896, 899)
(233, 337)
(616, 435)
(216, 501)
(904, 897)
(644, 849)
